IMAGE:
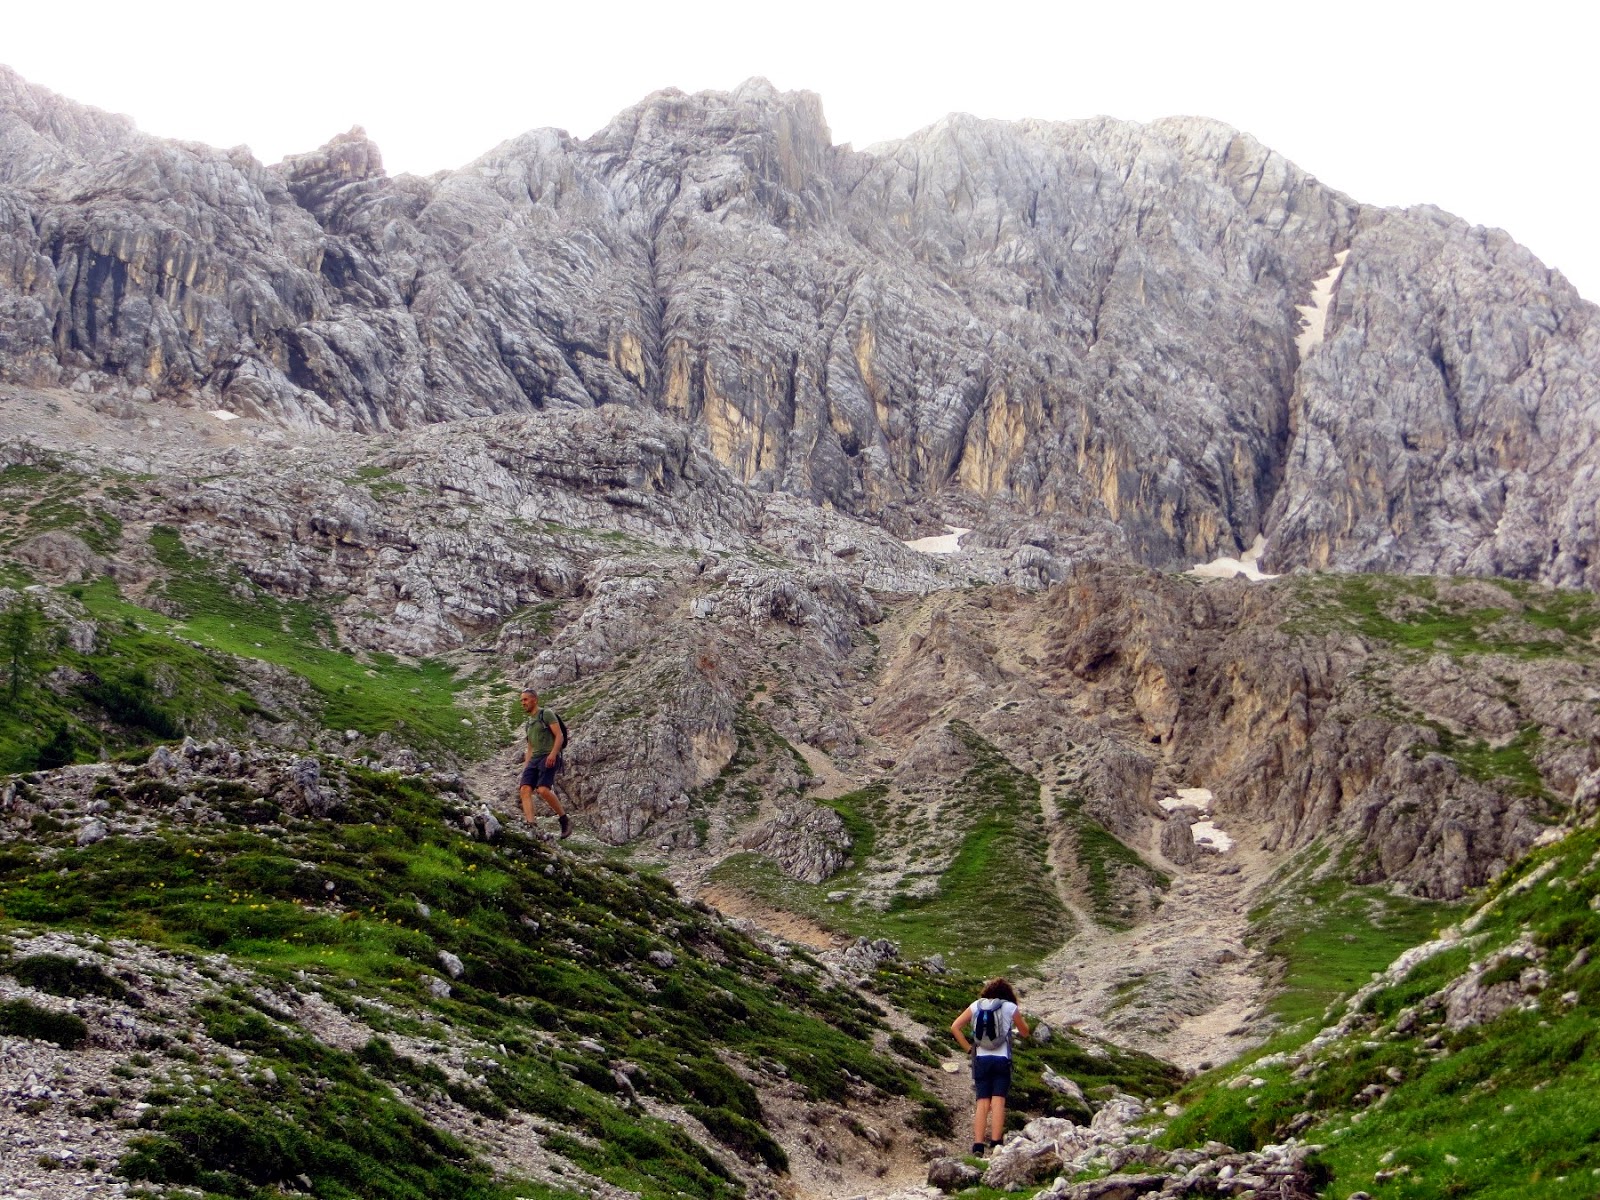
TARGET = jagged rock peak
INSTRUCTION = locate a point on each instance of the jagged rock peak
(348, 158)
(42, 132)
(1070, 323)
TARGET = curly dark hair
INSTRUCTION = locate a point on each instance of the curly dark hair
(998, 988)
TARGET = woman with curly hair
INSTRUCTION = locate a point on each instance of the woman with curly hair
(991, 1019)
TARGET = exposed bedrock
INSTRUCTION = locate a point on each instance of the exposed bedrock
(1078, 323)
(1439, 768)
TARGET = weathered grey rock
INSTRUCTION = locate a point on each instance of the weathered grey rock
(91, 832)
(1177, 839)
(1060, 1083)
(1021, 1162)
(61, 556)
(952, 1175)
(1468, 1000)
(864, 956)
(482, 824)
(1079, 392)
(452, 965)
(306, 791)
(662, 958)
(436, 987)
(808, 841)
(1048, 1144)
(1480, 439)
(1115, 1187)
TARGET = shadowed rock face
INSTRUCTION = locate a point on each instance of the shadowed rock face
(1068, 323)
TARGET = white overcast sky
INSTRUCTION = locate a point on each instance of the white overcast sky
(1487, 110)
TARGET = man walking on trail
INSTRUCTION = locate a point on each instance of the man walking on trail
(545, 739)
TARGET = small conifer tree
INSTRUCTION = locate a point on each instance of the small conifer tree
(20, 640)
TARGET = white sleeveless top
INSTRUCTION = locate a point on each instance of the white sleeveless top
(1005, 1017)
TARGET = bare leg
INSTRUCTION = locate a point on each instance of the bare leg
(997, 1118)
(980, 1121)
(549, 797)
(525, 794)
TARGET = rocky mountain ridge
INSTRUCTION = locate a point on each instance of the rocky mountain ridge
(1085, 329)
(307, 469)
(677, 614)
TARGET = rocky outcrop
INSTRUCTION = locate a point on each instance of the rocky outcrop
(951, 1175)
(1051, 1146)
(1467, 444)
(61, 555)
(808, 841)
(1302, 704)
(1067, 331)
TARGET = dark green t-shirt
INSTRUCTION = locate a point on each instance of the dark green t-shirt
(540, 730)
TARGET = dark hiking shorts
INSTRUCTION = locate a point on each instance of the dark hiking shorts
(991, 1075)
(537, 775)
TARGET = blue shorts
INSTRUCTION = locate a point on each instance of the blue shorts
(537, 775)
(991, 1075)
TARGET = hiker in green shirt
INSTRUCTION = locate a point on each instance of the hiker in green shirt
(545, 737)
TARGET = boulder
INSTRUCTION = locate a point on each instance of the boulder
(1115, 1187)
(1063, 1085)
(808, 841)
(1177, 837)
(952, 1175)
(62, 556)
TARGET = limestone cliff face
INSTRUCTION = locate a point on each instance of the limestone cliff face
(1468, 445)
(1070, 324)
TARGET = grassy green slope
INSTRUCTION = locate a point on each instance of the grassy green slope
(1411, 1105)
(1426, 615)
(1329, 935)
(995, 906)
(151, 675)
(556, 953)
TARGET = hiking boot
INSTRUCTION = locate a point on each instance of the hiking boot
(566, 825)
(977, 1149)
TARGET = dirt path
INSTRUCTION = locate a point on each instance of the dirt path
(791, 927)
(1060, 868)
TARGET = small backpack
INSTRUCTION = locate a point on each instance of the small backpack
(566, 738)
(989, 1030)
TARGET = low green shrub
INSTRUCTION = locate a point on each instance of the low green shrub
(23, 1018)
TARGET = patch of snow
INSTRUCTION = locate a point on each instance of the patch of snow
(1206, 833)
(945, 544)
(1249, 565)
(1192, 797)
(224, 415)
(1314, 316)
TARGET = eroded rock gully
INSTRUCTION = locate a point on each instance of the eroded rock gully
(1270, 696)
